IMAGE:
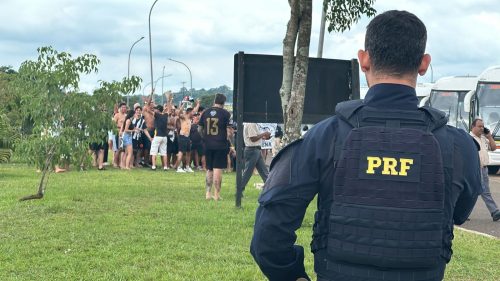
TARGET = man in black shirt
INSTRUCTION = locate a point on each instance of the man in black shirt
(159, 143)
(215, 130)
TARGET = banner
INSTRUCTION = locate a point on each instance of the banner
(267, 127)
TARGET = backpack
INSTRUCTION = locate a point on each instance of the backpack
(389, 188)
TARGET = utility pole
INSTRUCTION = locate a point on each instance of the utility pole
(128, 67)
(162, 76)
(322, 32)
(183, 87)
(151, 49)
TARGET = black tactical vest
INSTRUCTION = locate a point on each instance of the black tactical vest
(389, 187)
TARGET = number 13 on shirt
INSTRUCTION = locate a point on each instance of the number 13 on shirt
(212, 126)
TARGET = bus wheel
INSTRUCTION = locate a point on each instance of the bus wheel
(492, 170)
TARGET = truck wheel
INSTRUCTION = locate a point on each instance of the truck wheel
(492, 170)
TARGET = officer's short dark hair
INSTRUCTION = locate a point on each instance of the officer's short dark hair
(395, 41)
(220, 99)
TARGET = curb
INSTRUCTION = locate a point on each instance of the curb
(477, 232)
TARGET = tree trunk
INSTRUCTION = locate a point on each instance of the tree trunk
(293, 101)
(289, 57)
(45, 177)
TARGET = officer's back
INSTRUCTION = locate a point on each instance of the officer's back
(391, 179)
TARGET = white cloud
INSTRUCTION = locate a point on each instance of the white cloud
(206, 34)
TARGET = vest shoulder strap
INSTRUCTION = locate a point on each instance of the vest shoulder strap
(346, 111)
(437, 117)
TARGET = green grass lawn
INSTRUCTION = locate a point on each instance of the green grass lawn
(145, 225)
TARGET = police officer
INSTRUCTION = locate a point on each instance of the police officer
(363, 225)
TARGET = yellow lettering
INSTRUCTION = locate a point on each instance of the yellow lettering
(390, 166)
(405, 166)
(373, 162)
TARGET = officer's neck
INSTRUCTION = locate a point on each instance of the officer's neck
(387, 79)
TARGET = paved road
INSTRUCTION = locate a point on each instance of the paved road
(480, 219)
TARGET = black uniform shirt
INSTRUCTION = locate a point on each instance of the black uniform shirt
(305, 168)
(215, 121)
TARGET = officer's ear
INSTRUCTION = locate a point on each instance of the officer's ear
(424, 65)
(364, 60)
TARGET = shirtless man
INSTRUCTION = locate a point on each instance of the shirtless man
(119, 119)
(149, 119)
(184, 141)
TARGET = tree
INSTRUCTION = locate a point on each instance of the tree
(207, 100)
(7, 136)
(8, 99)
(65, 120)
(341, 14)
(7, 133)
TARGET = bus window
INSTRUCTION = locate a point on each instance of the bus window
(446, 102)
(489, 104)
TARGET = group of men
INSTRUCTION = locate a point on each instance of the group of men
(391, 179)
(175, 134)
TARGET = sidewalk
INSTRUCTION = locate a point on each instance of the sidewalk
(480, 219)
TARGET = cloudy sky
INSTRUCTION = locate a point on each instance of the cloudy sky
(205, 34)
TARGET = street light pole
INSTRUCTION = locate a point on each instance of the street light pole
(153, 85)
(129, 53)
(128, 68)
(190, 75)
(151, 49)
(162, 75)
(432, 73)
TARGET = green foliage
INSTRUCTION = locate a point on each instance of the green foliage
(225, 90)
(196, 94)
(207, 100)
(65, 120)
(341, 14)
(7, 136)
(10, 100)
(7, 69)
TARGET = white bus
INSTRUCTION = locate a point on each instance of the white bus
(484, 102)
(448, 95)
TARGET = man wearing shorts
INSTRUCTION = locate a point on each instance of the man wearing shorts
(119, 119)
(147, 137)
(215, 129)
(159, 143)
(184, 140)
(196, 142)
